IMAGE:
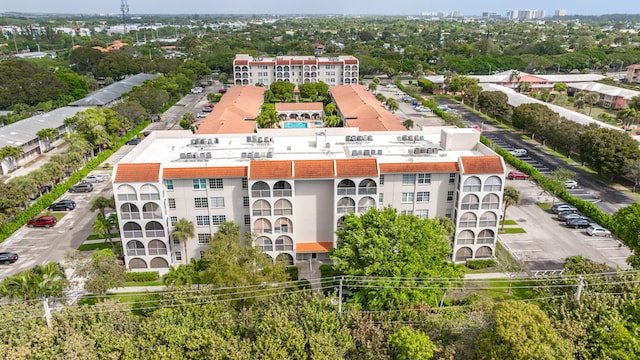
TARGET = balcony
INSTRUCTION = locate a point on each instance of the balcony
(154, 233)
(260, 193)
(346, 191)
(130, 215)
(132, 234)
(282, 192)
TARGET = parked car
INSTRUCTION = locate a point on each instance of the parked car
(222, 91)
(560, 207)
(84, 187)
(207, 109)
(210, 106)
(43, 221)
(196, 90)
(8, 257)
(562, 215)
(518, 152)
(92, 179)
(390, 86)
(64, 205)
(570, 184)
(517, 175)
(134, 141)
(578, 223)
(597, 230)
(201, 115)
(568, 217)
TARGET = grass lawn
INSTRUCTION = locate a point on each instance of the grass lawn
(131, 297)
(57, 214)
(101, 237)
(143, 283)
(510, 222)
(512, 231)
(100, 246)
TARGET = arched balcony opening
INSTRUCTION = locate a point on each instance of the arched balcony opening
(157, 247)
(135, 248)
(149, 192)
(367, 187)
(151, 211)
(282, 189)
(129, 211)
(284, 225)
(346, 187)
(245, 68)
(127, 193)
(238, 68)
(262, 226)
(261, 208)
(489, 219)
(285, 258)
(365, 204)
(264, 243)
(470, 202)
(491, 201)
(132, 230)
(346, 205)
(137, 263)
(493, 183)
(260, 189)
(463, 254)
(245, 82)
(486, 236)
(340, 223)
(154, 229)
(284, 243)
(484, 252)
(159, 263)
(466, 237)
(282, 207)
(472, 184)
(468, 220)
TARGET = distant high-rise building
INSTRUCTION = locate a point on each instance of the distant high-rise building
(560, 12)
(525, 14)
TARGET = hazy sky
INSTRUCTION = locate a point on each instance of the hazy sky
(388, 7)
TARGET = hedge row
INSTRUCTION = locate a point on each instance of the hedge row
(43, 202)
(480, 264)
(143, 276)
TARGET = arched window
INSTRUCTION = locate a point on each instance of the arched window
(279, 68)
(365, 204)
(157, 247)
(470, 202)
(245, 68)
(282, 207)
(132, 230)
(149, 192)
(491, 201)
(127, 192)
(471, 184)
(135, 248)
(260, 189)
(468, 220)
(488, 219)
(282, 189)
(486, 236)
(286, 68)
(466, 237)
(367, 187)
(285, 258)
(129, 211)
(137, 263)
(262, 226)
(264, 243)
(151, 211)
(154, 229)
(484, 252)
(346, 187)
(493, 183)
(159, 263)
(463, 254)
(340, 223)
(284, 243)
(261, 208)
(346, 205)
(284, 225)
(237, 68)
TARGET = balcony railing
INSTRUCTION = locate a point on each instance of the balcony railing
(346, 191)
(488, 223)
(346, 209)
(150, 196)
(364, 209)
(151, 215)
(126, 197)
(467, 223)
(282, 229)
(259, 212)
(260, 193)
(367, 191)
(283, 211)
(282, 192)
(158, 251)
(154, 233)
(284, 247)
(262, 230)
(135, 252)
(133, 233)
(130, 215)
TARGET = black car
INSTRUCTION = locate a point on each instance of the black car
(8, 258)
(85, 187)
(578, 223)
(63, 205)
(134, 141)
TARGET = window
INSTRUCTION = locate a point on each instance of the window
(247, 219)
(406, 212)
(424, 178)
(470, 202)
(407, 197)
(381, 180)
(216, 184)
(202, 220)
(491, 201)
(245, 201)
(168, 184)
(204, 238)
(218, 219)
(423, 196)
(217, 202)
(172, 203)
(178, 256)
(493, 184)
(449, 196)
(199, 184)
(467, 220)
(448, 213)
(408, 179)
(422, 214)
(174, 220)
(471, 184)
(176, 241)
(380, 198)
(201, 202)
(452, 178)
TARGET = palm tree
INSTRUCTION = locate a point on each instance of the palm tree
(47, 135)
(104, 226)
(40, 179)
(181, 275)
(183, 230)
(380, 97)
(511, 196)
(392, 104)
(101, 203)
(11, 153)
(592, 99)
(54, 171)
(330, 109)
(373, 87)
(408, 124)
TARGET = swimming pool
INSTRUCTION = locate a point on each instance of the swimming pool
(318, 123)
(295, 125)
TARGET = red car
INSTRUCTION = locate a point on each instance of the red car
(517, 175)
(43, 221)
(210, 106)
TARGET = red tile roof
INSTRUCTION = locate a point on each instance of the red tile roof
(235, 113)
(128, 173)
(362, 110)
(204, 172)
(313, 169)
(429, 167)
(314, 247)
(482, 165)
(356, 167)
(271, 169)
(241, 62)
(299, 107)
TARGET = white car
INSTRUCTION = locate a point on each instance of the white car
(390, 86)
(518, 152)
(201, 115)
(570, 184)
(196, 90)
(92, 179)
(596, 230)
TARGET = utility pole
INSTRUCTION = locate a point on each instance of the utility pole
(47, 311)
(340, 296)
(579, 289)
(124, 8)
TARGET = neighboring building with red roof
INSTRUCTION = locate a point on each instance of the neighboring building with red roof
(359, 108)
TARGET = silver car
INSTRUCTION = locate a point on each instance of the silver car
(92, 179)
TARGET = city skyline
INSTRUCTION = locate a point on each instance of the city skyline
(373, 7)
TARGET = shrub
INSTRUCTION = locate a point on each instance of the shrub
(142, 276)
(292, 271)
(480, 264)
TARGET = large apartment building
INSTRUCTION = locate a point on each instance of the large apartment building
(340, 70)
(292, 188)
